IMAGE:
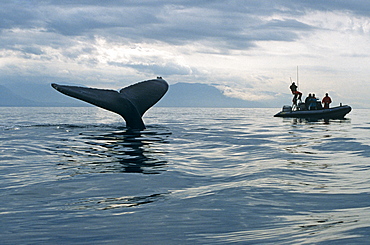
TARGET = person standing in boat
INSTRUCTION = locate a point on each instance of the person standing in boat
(297, 95)
(326, 101)
(293, 87)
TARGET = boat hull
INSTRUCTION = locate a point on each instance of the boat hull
(331, 113)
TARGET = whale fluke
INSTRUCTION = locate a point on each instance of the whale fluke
(130, 102)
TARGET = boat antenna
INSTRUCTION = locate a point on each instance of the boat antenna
(297, 76)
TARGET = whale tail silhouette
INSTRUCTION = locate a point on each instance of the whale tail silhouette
(130, 102)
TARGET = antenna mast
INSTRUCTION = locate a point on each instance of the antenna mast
(297, 76)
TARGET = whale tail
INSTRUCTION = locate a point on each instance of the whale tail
(130, 102)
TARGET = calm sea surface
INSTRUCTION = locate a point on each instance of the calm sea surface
(194, 176)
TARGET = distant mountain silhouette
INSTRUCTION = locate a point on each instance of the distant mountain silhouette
(201, 95)
(8, 98)
(179, 95)
(30, 94)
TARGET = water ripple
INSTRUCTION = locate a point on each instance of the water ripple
(195, 176)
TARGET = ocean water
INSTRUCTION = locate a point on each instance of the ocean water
(194, 176)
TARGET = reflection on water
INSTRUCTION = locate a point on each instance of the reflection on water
(196, 176)
(115, 202)
(113, 151)
(316, 120)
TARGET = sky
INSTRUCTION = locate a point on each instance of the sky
(248, 49)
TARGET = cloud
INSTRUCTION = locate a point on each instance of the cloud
(113, 41)
(176, 24)
(223, 25)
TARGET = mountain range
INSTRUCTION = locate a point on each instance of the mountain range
(179, 95)
(8, 98)
(201, 95)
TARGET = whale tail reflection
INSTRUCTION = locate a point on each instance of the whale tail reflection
(114, 150)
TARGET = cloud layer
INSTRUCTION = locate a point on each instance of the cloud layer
(249, 48)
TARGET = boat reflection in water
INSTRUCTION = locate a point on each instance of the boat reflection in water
(295, 121)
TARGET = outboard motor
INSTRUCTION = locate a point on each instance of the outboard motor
(287, 108)
(302, 106)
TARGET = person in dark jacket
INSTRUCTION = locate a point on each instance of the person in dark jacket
(307, 101)
(297, 95)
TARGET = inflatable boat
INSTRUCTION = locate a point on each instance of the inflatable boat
(331, 113)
